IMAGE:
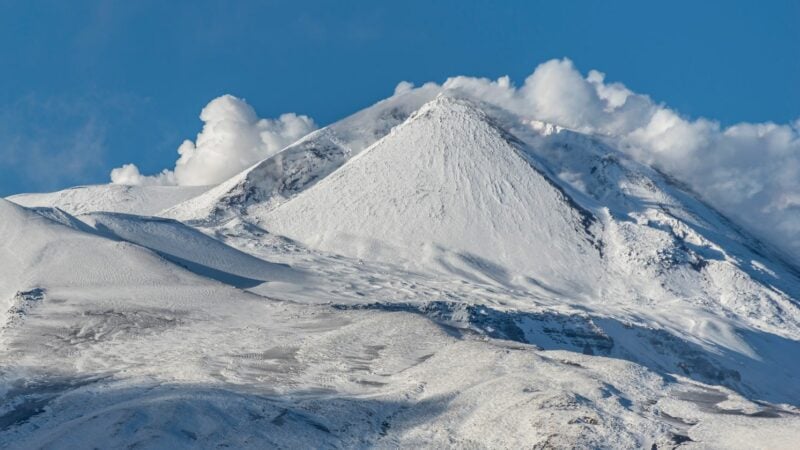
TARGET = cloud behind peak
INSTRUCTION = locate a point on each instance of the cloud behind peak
(233, 138)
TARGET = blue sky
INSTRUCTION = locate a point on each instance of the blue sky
(87, 86)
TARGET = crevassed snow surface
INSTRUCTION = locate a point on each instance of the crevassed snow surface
(430, 272)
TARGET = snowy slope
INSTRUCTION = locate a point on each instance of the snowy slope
(302, 164)
(34, 248)
(662, 243)
(447, 180)
(190, 248)
(42, 261)
(144, 200)
(262, 376)
(125, 349)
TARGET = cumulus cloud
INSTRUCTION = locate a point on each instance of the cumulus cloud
(749, 171)
(233, 138)
(129, 174)
(403, 87)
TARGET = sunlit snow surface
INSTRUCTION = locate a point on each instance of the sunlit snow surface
(147, 200)
(430, 272)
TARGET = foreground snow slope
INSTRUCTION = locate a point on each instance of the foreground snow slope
(41, 257)
(40, 252)
(252, 374)
(144, 200)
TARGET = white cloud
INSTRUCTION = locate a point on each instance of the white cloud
(749, 171)
(233, 138)
(403, 87)
(129, 174)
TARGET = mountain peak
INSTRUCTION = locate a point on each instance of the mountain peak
(449, 100)
(453, 104)
(447, 188)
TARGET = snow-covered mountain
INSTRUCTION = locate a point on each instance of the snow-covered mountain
(431, 271)
(448, 180)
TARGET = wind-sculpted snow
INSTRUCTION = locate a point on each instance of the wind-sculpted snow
(191, 249)
(65, 264)
(430, 272)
